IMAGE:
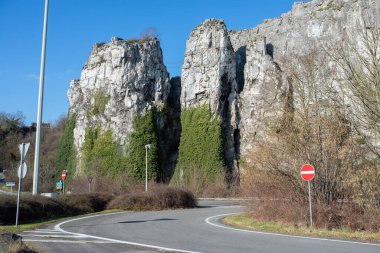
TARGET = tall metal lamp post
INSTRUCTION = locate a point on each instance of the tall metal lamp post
(147, 146)
(40, 102)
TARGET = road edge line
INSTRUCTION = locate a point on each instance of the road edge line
(58, 228)
(208, 221)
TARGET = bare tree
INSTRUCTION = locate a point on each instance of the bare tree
(359, 61)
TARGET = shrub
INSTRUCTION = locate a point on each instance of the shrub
(84, 203)
(31, 208)
(274, 199)
(35, 208)
(101, 155)
(157, 198)
(201, 147)
(101, 100)
(144, 133)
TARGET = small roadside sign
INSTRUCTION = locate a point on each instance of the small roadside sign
(10, 184)
(64, 174)
(24, 169)
(59, 185)
(26, 147)
(307, 172)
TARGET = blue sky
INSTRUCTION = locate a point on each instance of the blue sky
(75, 25)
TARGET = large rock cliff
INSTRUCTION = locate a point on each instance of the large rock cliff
(120, 79)
(208, 77)
(238, 74)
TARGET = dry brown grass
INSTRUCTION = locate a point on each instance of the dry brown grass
(158, 197)
(19, 247)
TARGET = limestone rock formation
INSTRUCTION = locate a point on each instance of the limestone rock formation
(261, 53)
(238, 74)
(119, 80)
(262, 96)
(208, 77)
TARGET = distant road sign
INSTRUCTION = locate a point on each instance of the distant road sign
(10, 184)
(26, 147)
(24, 170)
(307, 172)
(59, 185)
(64, 174)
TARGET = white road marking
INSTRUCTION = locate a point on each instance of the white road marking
(208, 221)
(65, 241)
(58, 228)
(42, 232)
(56, 236)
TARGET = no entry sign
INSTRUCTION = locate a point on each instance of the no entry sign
(63, 175)
(307, 172)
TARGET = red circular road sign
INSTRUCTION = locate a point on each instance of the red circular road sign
(307, 172)
(63, 174)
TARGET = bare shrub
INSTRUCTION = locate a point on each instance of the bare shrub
(85, 203)
(273, 199)
(158, 197)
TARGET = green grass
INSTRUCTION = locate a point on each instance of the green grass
(247, 222)
(44, 223)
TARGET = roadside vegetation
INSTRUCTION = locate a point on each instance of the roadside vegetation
(245, 221)
(334, 131)
(157, 198)
(19, 247)
(35, 209)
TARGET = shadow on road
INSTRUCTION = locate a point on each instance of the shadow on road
(141, 221)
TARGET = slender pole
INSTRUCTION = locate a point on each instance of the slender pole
(89, 187)
(146, 168)
(63, 187)
(40, 103)
(19, 182)
(311, 213)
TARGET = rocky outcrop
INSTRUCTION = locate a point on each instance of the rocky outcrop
(238, 74)
(209, 77)
(263, 95)
(310, 25)
(120, 79)
(262, 52)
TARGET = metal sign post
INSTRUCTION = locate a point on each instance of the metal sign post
(20, 176)
(311, 213)
(307, 174)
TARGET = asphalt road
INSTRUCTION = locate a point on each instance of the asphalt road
(190, 230)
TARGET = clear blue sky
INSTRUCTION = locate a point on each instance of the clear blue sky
(75, 25)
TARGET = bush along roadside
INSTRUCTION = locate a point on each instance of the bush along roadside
(157, 198)
(39, 208)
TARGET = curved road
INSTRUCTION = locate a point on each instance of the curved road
(189, 230)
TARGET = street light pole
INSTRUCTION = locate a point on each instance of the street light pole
(40, 102)
(146, 166)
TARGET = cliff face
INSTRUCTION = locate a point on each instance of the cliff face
(261, 53)
(238, 74)
(119, 80)
(208, 77)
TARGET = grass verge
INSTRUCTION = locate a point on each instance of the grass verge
(245, 221)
